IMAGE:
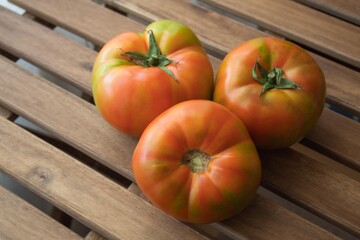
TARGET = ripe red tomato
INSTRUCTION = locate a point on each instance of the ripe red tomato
(197, 162)
(275, 87)
(138, 76)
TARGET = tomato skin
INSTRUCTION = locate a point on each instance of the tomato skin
(223, 189)
(130, 96)
(279, 117)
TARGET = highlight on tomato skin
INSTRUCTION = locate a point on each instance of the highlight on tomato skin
(197, 162)
(275, 87)
(136, 76)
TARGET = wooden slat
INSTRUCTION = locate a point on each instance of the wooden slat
(81, 192)
(71, 114)
(221, 34)
(65, 122)
(342, 83)
(88, 14)
(348, 10)
(301, 24)
(47, 121)
(338, 74)
(21, 221)
(75, 64)
(276, 222)
(68, 119)
(93, 28)
(337, 136)
(331, 192)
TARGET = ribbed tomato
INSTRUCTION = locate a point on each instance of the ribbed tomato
(275, 87)
(197, 162)
(138, 76)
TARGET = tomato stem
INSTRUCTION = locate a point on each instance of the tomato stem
(272, 79)
(153, 58)
(196, 160)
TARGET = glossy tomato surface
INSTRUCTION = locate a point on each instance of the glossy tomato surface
(133, 82)
(197, 162)
(278, 101)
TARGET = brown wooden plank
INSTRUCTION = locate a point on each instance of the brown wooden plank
(72, 114)
(65, 136)
(342, 83)
(329, 69)
(21, 221)
(348, 10)
(37, 100)
(337, 136)
(330, 192)
(301, 24)
(276, 222)
(20, 35)
(109, 209)
(88, 14)
(82, 75)
(65, 116)
(221, 34)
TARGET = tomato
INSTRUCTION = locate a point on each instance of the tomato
(275, 87)
(197, 162)
(137, 76)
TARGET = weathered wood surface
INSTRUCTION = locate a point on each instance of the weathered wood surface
(82, 192)
(323, 179)
(20, 220)
(348, 10)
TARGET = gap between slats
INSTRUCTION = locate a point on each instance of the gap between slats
(348, 159)
(45, 89)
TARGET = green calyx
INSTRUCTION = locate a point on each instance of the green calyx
(153, 58)
(196, 160)
(272, 79)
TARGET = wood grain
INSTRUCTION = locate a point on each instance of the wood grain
(37, 100)
(336, 136)
(64, 131)
(19, 35)
(221, 34)
(275, 223)
(83, 193)
(66, 116)
(348, 89)
(40, 118)
(90, 18)
(342, 82)
(314, 185)
(301, 24)
(348, 10)
(72, 115)
(21, 221)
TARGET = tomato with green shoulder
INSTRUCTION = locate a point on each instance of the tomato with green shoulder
(197, 162)
(137, 76)
(275, 87)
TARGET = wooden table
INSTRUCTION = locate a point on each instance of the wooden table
(83, 166)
